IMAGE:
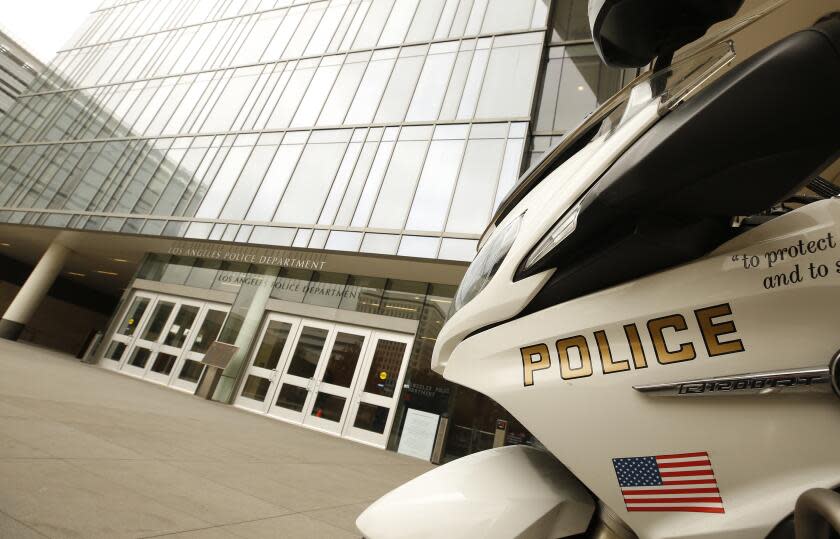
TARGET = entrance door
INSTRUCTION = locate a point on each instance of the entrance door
(158, 340)
(340, 379)
(298, 377)
(268, 362)
(378, 389)
(335, 379)
(126, 332)
(174, 337)
(189, 368)
(147, 343)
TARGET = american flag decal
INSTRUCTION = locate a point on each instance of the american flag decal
(683, 482)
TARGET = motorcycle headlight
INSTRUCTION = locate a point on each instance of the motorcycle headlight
(486, 264)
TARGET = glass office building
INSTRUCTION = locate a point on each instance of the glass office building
(303, 180)
(18, 68)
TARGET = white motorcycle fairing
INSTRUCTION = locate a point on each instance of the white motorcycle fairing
(754, 443)
(514, 491)
(665, 357)
(575, 365)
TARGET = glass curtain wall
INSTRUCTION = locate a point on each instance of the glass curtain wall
(379, 126)
(574, 80)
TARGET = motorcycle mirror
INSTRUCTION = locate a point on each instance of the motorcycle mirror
(632, 33)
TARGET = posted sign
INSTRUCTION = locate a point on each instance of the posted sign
(418, 434)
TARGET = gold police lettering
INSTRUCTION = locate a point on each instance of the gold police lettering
(621, 349)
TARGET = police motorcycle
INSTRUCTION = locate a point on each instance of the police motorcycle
(655, 301)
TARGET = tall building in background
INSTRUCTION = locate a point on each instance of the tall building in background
(303, 180)
(18, 69)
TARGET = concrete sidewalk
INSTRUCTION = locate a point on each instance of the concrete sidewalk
(85, 452)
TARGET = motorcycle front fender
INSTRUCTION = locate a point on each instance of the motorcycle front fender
(515, 491)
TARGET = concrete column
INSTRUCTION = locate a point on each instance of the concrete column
(30, 296)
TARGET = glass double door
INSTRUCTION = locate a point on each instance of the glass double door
(164, 338)
(333, 377)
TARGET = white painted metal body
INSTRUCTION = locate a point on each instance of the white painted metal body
(515, 491)
(765, 449)
(781, 283)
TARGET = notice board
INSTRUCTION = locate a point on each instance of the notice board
(418, 434)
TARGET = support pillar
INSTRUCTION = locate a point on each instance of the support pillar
(242, 328)
(33, 291)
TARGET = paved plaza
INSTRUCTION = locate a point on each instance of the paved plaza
(85, 452)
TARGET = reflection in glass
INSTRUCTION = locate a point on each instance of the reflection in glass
(159, 317)
(217, 194)
(505, 14)
(133, 316)
(575, 83)
(272, 345)
(452, 249)
(115, 351)
(292, 397)
(308, 352)
(342, 91)
(208, 331)
(570, 21)
(329, 407)
(248, 182)
(397, 95)
(419, 246)
(191, 371)
(371, 417)
(431, 86)
(385, 244)
(153, 267)
(385, 368)
(363, 294)
(313, 100)
(510, 76)
(403, 299)
(431, 202)
(181, 326)
(255, 388)
(344, 357)
(474, 194)
(163, 363)
(203, 273)
(310, 184)
(139, 357)
(291, 284)
(281, 169)
(397, 190)
(370, 90)
(326, 289)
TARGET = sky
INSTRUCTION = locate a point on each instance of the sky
(44, 26)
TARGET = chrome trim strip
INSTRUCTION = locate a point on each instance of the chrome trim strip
(803, 380)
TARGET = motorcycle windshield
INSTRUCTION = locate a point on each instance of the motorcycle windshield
(693, 65)
(725, 30)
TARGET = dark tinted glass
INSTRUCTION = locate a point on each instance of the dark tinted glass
(371, 417)
(343, 359)
(292, 397)
(255, 388)
(276, 335)
(385, 368)
(133, 316)
(308, 352)
(328, 407)
(191, 371)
